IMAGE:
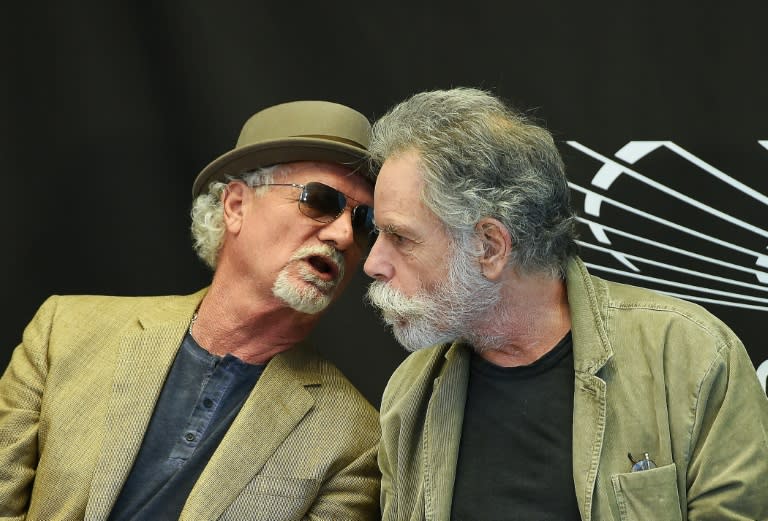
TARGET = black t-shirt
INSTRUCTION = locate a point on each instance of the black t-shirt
(515, 455)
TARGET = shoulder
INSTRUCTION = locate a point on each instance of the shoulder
(68, 324)
(101, 305)
(93, 312)
(643, 308)
(631, 325)
(675, 337)
(624, 308)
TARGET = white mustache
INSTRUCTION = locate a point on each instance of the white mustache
(393, 305)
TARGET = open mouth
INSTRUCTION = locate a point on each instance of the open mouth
(326, 269)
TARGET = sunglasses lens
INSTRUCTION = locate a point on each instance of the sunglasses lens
(362, 224)
(324, 204)
(321, 202)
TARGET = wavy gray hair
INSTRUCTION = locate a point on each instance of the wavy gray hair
(208, 214)
(481, 158)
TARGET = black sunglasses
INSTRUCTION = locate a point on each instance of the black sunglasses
(325, 204)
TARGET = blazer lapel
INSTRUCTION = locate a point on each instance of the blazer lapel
(442, 433)
(278, 402)
(145, 356)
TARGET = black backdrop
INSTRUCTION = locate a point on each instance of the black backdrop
(111, 108)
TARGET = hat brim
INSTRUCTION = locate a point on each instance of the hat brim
(277, 151)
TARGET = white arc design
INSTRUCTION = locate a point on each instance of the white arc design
(611, 170)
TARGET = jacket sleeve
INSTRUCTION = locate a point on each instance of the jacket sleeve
(21, 393)
(728, 469)
(351, 493)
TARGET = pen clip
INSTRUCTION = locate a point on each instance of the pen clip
(643, 464)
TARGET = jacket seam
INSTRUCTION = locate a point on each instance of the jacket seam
(676, 311)
(696, 401)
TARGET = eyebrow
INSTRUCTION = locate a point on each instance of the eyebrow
(406, 232)
(389, 228)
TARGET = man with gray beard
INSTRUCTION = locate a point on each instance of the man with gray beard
(210, 406)
(547, 393)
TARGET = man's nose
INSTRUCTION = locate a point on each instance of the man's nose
(376, 265)
(339, 232)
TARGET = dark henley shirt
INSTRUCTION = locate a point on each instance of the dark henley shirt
(201, 397)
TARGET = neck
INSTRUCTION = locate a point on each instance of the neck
(252, 328)
(533, 317)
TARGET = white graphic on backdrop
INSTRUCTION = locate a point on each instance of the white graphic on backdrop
(670, 262)
(751, 293)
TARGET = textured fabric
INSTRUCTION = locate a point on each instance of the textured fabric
(200, 399)
(79, 392)
(652, 374)
(515, 446)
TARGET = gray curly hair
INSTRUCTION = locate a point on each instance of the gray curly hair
(208, 213)
(481, 158)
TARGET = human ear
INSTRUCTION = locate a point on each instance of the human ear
(232, 203)
(496, 247)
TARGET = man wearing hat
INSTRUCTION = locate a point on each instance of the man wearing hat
(209, 406)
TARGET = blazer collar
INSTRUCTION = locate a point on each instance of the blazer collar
(586, 299)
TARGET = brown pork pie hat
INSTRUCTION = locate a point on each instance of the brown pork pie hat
(294, 131)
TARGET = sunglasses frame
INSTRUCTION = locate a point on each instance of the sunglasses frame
(363, 229)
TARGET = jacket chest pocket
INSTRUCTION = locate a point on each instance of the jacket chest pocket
(648, 494)
(273, 498)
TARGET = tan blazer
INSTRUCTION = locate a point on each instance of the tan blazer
(79, 392)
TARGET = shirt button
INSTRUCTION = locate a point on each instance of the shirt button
(208, 403)
(189, 436)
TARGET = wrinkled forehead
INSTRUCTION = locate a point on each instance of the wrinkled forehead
(400, 182)
(398, 198)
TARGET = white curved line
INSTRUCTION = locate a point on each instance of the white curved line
(676, 284)
(669, 191)
(594, 227)
(635, 150)
(592, 204)
(607, 174)
(722, 176)
(675, 268)
(597, 229)
(666, 222)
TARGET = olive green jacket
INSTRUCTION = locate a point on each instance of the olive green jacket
(652, 374)
(79, 392)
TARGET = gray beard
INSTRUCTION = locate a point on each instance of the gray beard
(314, 297)
(453, 310)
